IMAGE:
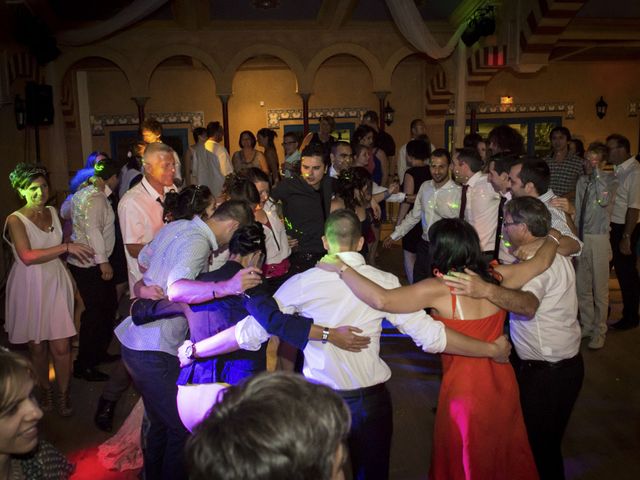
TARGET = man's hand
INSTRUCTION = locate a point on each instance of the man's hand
(625, 246)
(345, 338)
(182, 354)
(243, 280)
(293, 243)
(564, 204)
(151, 292)
(107, 271)
(387, 242)
(503, 350)
(527, 251)
(330, 263)
(468, 284)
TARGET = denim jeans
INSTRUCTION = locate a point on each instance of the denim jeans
(154, 375)
(371, 430)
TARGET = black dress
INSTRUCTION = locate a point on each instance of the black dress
(411, 239)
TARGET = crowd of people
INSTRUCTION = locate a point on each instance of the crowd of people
(234, 262)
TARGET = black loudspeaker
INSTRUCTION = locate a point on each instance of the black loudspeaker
(39, 104)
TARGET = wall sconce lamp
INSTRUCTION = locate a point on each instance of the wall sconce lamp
(601, 108)
(388, 114)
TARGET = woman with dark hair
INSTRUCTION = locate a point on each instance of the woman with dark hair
(576, 147)
(378, 168)
(479, 426)
(276, 264)
(189, 202)
(22, 455)
(39, 299)
(265, 140)
(248, 156)
(353, 192)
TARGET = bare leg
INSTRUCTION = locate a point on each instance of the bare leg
(61, 353)
(40, 360)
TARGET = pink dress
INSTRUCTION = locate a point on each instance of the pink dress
(39, 303)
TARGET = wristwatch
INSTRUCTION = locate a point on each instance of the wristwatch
(190, 351)
(325, 334)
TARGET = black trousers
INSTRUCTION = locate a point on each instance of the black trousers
(627, 273)
(548, 393)
(371, 430)
(96, 322)
(422, 267)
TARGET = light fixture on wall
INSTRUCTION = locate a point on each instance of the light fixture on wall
(601, 108)
(388, 114)
(506, 100)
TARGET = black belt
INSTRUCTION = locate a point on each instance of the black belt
(541, 364)
(362, 392)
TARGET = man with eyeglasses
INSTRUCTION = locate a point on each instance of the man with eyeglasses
(341, 158)
(291, 154)
(624, 228)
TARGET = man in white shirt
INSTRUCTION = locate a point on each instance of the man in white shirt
(546, 334)
(341, 158)
(359, 377)
(482, 202)
(140, 213)
(531, 177)
(624, 228)
(140, 210)
(291, 164)
(215, 132)
(436, 199)
(94, 225)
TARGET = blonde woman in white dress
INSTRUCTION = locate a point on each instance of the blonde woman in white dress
(39, 300)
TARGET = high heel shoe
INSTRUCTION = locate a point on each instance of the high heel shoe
(64, 404)
(45, 399)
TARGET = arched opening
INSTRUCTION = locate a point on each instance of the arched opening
(182, 96)
(344, 84)
(263, 85)
(95, 93)
(408, 97)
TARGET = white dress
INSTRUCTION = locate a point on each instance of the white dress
(39, 303)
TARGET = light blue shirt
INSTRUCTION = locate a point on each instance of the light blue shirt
(180, 250)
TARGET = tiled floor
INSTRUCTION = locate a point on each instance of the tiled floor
(602, 440)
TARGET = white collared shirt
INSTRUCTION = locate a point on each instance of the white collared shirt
(481, 212)
(324, 297)
(559, 219)
(553, 333)
(431, 205)
(93, 224)
(140, 215)
(628, 193)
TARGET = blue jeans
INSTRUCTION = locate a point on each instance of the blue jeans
(154, 375)
(371, 430)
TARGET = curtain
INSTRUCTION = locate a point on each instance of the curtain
(410, 23)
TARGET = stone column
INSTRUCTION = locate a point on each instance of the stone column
(460, 115)
(305, 112)
(225, 118)
(381, 98)
(140, 103)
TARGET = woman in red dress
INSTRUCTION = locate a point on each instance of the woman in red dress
(479, 431)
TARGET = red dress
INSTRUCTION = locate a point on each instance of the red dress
(479, 431)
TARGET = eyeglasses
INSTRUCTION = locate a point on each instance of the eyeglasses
(289, 143)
